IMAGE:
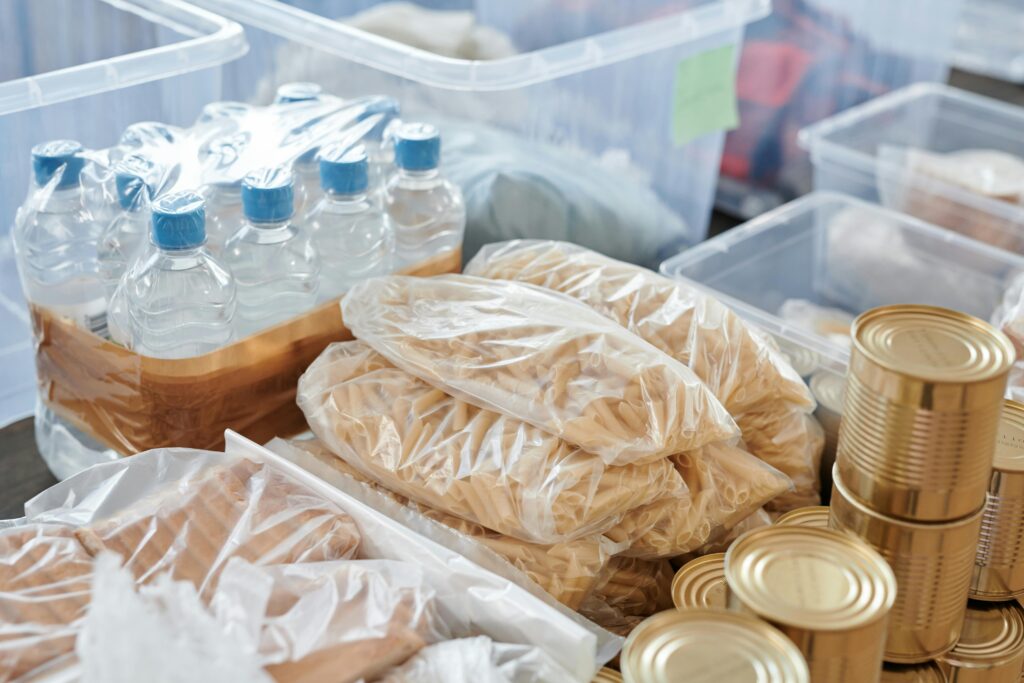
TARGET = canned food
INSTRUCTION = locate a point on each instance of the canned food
(828, 592)
(933, 565)
(921, 410)
(701, 583)
(929, 672)
(709, 646)
(815, 516)
(999, 567)
(991, 645)
(828, 388)
(606, 675)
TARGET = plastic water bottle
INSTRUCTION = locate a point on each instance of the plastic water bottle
(349, 229)
(306, 174)
(180, 300)
(380, 149)
(55, 239)
(274, 262)
(224, 215)
(427, 212)
(299, 91)
(126, 234)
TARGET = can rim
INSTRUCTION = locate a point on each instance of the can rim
(804, 515)
(699, 575)
(914, 670)
(992, 654)
(606, 675)
(1013, 415)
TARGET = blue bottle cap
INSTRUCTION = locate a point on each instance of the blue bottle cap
(387, 108)
(179, 221)
(344, 169)
(417, 147)
(298, 92)
(58, 155)
(268, 195)
(131, 176)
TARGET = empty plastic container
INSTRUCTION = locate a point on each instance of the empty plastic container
(988, 39)
(84, 70)
(811, 59)
(944, 155)
(637, 93)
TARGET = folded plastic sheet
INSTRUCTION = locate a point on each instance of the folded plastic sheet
(476, 660)
(726, 486)
(541, 357)
(449, 455)
(743, 369)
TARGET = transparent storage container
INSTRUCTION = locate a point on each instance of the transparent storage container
(896, 150)
(85, 69)
(814, 58)
(612, 90)
(988, 39)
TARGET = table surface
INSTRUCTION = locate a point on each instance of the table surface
(25, 474)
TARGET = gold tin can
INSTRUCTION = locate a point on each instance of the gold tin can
(701, 583)
(929, 672)
(606, 675)
(815, 516)
(828, 388)
(932, 564)
(991, 645)
(709, 646)
(828, 592)
(999, 567)
(921, 410)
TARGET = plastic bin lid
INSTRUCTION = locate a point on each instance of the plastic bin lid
(701, 19)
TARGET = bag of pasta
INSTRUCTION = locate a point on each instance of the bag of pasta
(740, 365)
(540, 357)
(629, 591)
(479, 465)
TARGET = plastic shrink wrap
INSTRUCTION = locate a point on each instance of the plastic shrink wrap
(743, 369)
(541, 357)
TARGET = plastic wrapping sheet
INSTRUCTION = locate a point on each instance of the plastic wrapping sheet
(449, 455)
(740, 366)
(476, 660)
(726, 486)
(541, 357)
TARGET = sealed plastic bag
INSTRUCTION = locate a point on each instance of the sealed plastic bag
(741, 367)
(726, 486)
(631, 590)
(476, 660)
(475, 464)
(567, 571)
(541, 357)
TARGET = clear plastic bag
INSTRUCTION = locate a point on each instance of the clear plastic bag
(475, 464)
(743, 369)
(726, 486)
(476, 660)
(631, 590)
(541, 357)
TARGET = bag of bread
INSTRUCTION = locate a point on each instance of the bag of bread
(567, 571)
(542, 358)
(726, 486)
(741, 366)
(449, 455)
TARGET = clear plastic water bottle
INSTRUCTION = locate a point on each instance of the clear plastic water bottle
(126, 234)
(306, 174)
(224, 215)
(299, 91)
(275, 264)
(380, 149)
(427, 212)
(180, 300)
(55, 239)
(349, 229)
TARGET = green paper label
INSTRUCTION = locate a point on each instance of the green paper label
(704, 98)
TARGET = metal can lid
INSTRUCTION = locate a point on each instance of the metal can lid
(606, 675)
(932, 344)
(804, 360)
(1009, 456)
(815, 516)
(929, 672)
(992, 634)
(818, 579)
(701, 583)
(828, 388)
(710, 646)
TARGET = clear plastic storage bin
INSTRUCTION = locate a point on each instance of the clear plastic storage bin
(85, 69)
(599, 103)
(944, 155)
(988, 39)
(811, 59)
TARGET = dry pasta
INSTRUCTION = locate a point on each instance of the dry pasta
(542, 358)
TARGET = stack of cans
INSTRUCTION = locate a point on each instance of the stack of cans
(921, 413)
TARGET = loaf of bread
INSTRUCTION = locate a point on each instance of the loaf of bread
(541, 357)
(739, 364)
(245, 510)
(454, 457)
(726, 486)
